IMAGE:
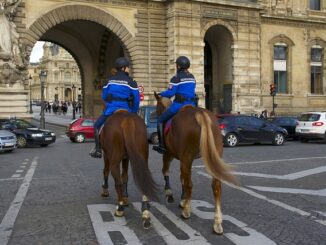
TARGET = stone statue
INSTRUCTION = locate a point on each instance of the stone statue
(7, 27)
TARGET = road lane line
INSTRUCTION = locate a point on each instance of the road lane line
(262, 197)
(9, 219)
(270, 161)
(9, 179)
(19, 171)
(15, 176)
(321, 192)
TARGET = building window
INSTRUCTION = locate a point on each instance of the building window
(280, 68)
(314, 4)
(316, 64)
(67, 76)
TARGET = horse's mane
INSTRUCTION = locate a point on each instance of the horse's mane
(166, 102)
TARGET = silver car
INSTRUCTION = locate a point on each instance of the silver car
(8, 141)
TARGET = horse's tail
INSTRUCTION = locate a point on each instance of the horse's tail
(208, 148)
(139, 164)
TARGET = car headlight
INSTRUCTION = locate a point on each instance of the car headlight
(36, 135)
(52, 134)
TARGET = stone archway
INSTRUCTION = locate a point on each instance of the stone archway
(218, 73)
(93, 37)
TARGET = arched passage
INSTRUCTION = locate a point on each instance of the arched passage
(218, 67)
(93, 37)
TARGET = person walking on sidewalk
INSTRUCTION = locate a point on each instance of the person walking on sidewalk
(121, 92)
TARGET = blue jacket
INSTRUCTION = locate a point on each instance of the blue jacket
(183, 84)
(120, 87)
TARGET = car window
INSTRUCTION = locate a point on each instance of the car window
(22, 124)
(87, 123)
(309, 117)
(153, 117)
(255, 122)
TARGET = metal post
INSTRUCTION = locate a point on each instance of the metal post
(73, 102)
(273, 104)
(30, 96)
(42, 79)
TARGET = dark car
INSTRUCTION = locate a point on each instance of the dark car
(27, 134)
(148, 113)
(289, 123)
(249, 129)
(81, 129)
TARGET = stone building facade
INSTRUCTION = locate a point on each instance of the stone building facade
(63, 82)
(237, 48)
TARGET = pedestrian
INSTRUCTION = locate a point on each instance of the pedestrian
(121, 92)
(263, 114)
(182, 86)
(79, 107)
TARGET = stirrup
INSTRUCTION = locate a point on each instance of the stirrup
(159, 149)
(96, 153)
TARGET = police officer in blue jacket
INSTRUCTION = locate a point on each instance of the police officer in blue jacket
(121, 92)
(182, 87)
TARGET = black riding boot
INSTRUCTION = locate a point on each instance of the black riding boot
(96, 152)
(161, 147)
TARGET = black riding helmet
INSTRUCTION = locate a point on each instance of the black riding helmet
(183, 62)
(121, 62)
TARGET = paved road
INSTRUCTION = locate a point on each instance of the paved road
(52, 196)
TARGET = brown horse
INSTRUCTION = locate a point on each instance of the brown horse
(123, 138)
(194, 133)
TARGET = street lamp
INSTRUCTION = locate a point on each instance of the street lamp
(30, 95)
(43, 75)
(73, 102)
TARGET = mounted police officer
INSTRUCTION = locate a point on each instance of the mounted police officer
(121, 92)
(182, 87)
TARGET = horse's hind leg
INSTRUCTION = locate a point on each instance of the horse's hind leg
(115, 170)
(217, 189)
(106, 172)
(124, 176)
(186, 182)
(165, 170)
(145, 213)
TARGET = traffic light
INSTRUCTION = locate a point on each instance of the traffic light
(272, 89)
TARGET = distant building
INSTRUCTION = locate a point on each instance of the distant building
(63, 81)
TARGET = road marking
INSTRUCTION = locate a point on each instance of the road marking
(254, 237)
(15, 176)
(19, 171)
(9, 219)
(293, 176)
(11, 179)
(271, 161)
(321, 192)
(102, 228)
(194, 236)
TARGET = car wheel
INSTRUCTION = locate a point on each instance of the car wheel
(72, 139)
(278, 139)
(303, 140)
(231, 140)
(21, 142)
(80, 138)
(154, 138)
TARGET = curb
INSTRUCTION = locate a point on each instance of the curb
(51, 123)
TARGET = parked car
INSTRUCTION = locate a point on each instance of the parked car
(27, 134)
(243, 129)
(312, 125)
(289, 123)
(81, 129)
(148, 113)
(8, 141)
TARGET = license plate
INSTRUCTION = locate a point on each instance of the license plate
(48, 138)
(9, 144)
(304, 130)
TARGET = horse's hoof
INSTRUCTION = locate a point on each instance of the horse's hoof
(125, 201)
(169, 198)
(185, 215)
(105, 193)
(218, 229)
(118, 213)
(147, 223)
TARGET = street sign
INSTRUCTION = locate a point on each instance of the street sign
(141, 89)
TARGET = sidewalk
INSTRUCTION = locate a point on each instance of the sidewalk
(51, 118)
